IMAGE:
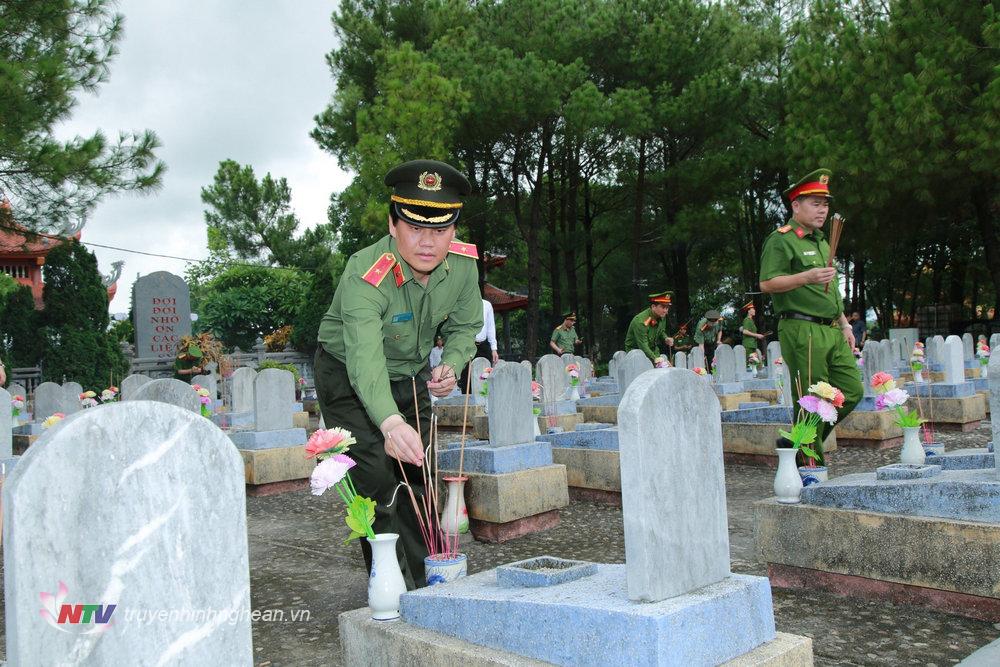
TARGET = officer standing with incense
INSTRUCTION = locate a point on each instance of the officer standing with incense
(816, 339)
(749, 329)
(708, 334)
(372, 375)
(564, 339)
(648, 330)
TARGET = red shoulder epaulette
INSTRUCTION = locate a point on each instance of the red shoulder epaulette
(379, 270)
(650, 322)
(784, 229)
(464, 249)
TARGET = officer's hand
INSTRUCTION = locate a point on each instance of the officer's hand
(670, 341)
(402, 441)
(496, 357)
(820, 276)
(849, 337)
(442, 381)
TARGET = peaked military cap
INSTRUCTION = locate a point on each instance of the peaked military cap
(814, 183)
(713, 315)
(427, 193)
(569, 316)
(661, 297)
(747, 306)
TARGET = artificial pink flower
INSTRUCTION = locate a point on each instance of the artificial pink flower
(838, 399)
(810, 403)
(329, 472)
(205, 400)
(536, 389)
(894, 398)
(827, 412)
(325, 439)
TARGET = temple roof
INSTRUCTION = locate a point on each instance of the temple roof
(503, 300)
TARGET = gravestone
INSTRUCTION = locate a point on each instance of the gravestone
(871, 356)
(896, 351)
(668, 553)
(773, 352)
(994, 383)
(935, 350)
(173, 540)
(994, 341)
(273, 396)
(680, 360)
(726, 362)
(954, 365)
(17, 389)
(479, 365)
(509, 406)
(696, 358)
(786, 385)
(48, 401)
(71, 397)
(552, 375)
(6, 424)
(635, 364)
(242, 383)
(169, 390)
(586, 368)
(740, 363)
(131, 384)
(968, 347)
(208, 382)
(162, 305)
(527, 364)
(613, 365)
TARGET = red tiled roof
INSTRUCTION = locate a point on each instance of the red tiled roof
(14, 244)
(503, 300)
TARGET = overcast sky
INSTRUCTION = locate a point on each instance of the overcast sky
(214, 80)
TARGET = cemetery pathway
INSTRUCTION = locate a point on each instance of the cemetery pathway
(298, 563)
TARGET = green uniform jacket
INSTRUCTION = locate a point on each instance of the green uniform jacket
(646, 333)
(386, 332)
(749, 342)
(789, 250)
(565, 338)
(706, 336)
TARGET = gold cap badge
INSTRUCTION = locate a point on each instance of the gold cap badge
(824, 179)
(429, 181)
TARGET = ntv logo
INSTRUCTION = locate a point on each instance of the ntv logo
(58, 613)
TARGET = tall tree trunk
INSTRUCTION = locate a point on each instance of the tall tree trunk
(986, 222)
(637, 212)
(534, 255)
(588, 244)
(554, 275)
(571, 172)
(682, 283)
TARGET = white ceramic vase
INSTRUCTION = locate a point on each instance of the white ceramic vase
(787, 482)
(438, 570)
(455, 516)
(574, 393)
(983, 368)
(385, 583)
(534, 422)
(913, 451)
(918, 376)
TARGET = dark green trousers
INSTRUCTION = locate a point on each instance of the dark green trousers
(377, 475)
(819, 353)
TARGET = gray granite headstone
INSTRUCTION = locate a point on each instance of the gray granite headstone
(162, 307)
(615, 363)
(740, 356)
(994, 383)
(509, 406)
(968, 346)
(139, 505)
(552, 374)
(17, 389)
(131, 384)
(696, 358)
(994, 342)
(773, 352)
(870, 358)
(934, 352)
(527, 364)
(479, 365)
(726, 361)
(208, 382)
(169, 390)
(786, 385)
(635, 364)
(48, 401)
(680, 360)
(273, 396)
(586, 368)
(668, 553)
(71, 397)
(954, 365)
(242, 383)
(6, 424)
(896, 351)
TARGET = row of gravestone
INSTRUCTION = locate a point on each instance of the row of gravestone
(550, 372)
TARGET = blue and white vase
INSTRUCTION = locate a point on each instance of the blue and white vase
(813, 475)
(443, 568)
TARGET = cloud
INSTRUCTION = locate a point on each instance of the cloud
(215, 81)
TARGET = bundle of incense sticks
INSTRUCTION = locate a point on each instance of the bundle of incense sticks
(836, 226)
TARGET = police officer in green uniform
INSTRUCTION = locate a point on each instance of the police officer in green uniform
(648, 330)
(708, 334)
(813, 332)
(749, 329)
(564, 337)
(372, 375)
(188, 362)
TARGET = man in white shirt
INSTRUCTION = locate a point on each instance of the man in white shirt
(436, 352)
(486, 342)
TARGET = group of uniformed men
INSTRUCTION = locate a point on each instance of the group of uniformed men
(372, 374)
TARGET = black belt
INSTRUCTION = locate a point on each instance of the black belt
(792, 315)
